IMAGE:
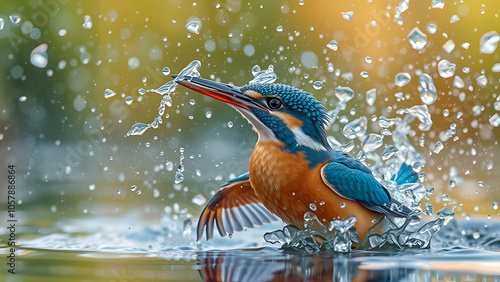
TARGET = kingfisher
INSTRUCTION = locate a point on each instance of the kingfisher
(292, 169)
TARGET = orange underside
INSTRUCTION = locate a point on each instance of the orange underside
(287, 187)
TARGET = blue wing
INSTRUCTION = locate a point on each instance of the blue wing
(351, 179)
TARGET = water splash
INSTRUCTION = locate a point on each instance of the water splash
(356, 128)
(265, 76)
(191, 70)
(308, 239)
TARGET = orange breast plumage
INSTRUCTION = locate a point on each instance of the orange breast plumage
(287, 187)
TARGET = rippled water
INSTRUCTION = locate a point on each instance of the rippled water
(122, 250)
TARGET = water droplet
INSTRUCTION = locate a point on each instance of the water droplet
(318, 85)
(133, 63)
(39, 57)
(445, 212)
(194, 26)
(342, 205)
(368, 59)
(402, 79)
(422, 113)
(166, 71)
(142, 91)
(179, 177)
(138, 129)
(417, 39)
(15, 18)
(255, 70)
(265, 76)
(445, 198)
(230, 124)
(345, 94)
(476, 235)
(371, 96)
(431, 28)
(312, 206)
(437, 4)
(2, 23)
(428, 94)
(87, 22)
(333, 45)
(92, 187)
(322, 203)
(454, 19)
(356, 128)
(482, 80)
(347, 15)
(448, 46)
(438, 147)
(495, 120)
(446, 69)
(62, 32)
(133, 188)
(23, 98)
(279, 28)
(389, 151)
(129, 100)
(364, 74)
(495, 205)
(495, 67)
(169, 165)
(199, 200)
(372, 142)
(385, 122)
(108, 93)
(489, 42)
(458, 82)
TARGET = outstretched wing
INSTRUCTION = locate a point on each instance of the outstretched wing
(351, 179)
(233, 207)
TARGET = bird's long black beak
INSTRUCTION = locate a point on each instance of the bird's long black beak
(224, 92)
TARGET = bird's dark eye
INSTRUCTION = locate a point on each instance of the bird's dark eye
(274, 103)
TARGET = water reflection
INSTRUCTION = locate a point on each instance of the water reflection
(267, 264)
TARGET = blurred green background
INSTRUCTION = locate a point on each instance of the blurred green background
(69, 145)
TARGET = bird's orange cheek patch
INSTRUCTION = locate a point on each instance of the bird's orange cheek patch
(291, 121)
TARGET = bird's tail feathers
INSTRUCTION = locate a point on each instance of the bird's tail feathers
(406, 174)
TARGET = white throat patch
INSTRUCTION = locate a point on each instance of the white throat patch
(265, 134)
(306, 141)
